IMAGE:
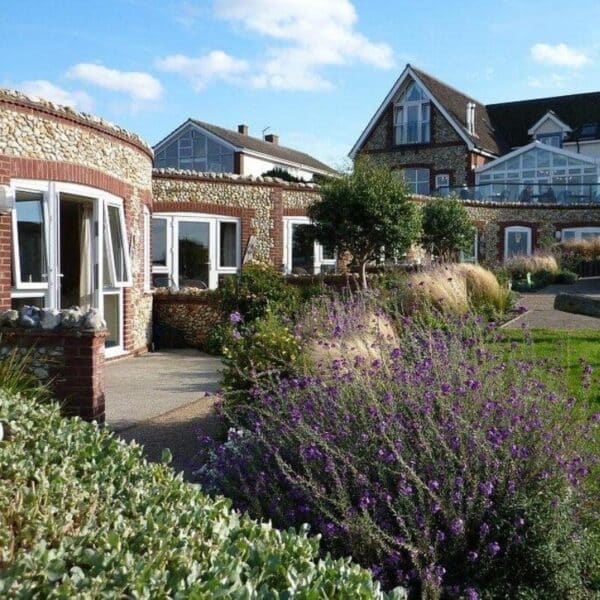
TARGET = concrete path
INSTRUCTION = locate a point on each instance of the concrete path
(541, 307)
(164, 400)
(144, 387)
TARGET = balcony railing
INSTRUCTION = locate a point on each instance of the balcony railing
(527, 193)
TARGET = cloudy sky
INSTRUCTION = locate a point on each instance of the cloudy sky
(313, 71)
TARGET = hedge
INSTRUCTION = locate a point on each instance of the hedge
(83, 514)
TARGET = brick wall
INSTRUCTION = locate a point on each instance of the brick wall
(5, 260)
(71, 362)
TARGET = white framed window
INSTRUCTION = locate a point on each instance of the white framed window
(147, 248)
(550, 139)
(417, 180)
(70, 249)
(194, 250)
(115, 245)
(30, 245)
(579, 233)
(412, 116)
(302, 254)
(517, 241)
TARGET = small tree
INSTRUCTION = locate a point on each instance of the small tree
(447, 227)
(365, 212)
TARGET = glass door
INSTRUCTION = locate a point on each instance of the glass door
(194, 266)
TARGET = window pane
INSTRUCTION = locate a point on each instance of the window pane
(193, 245)
(118, 243)
(228, 244)
(303, 248)
(517, 243)
(18, 303)
(112, 311)
(31, 235)
(159, 242)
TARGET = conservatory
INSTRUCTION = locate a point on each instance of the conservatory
(538, 173)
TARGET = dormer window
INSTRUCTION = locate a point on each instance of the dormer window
(412, 117)
(549, 130)
(551, 139)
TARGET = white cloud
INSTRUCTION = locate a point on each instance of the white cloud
(304, 36)
(42, 88)
(559, 55)
(204, 69)
(312, 34)
(139, 86)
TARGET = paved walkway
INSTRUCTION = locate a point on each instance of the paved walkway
(164, 400)
(541, 307)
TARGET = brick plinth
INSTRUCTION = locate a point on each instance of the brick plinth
(5, 260)
(74, 364)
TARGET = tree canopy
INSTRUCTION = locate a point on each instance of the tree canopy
(447, 227)
(366, 212)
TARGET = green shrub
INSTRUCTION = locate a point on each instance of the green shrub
(83, 515)
(566, 276)
(218, 338)
(266, 348)
(259, 288)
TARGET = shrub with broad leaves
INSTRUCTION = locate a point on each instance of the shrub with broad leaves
(83, 515)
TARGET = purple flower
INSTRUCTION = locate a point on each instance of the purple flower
(433, 485)
(471, 594)
(486, 488)
(235, 317)
(472, 556)
(457, 526)
(493, 548)
(484, 530)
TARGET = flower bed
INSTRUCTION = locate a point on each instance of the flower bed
(441, 466)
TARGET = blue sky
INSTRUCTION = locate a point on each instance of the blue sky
(314, 71)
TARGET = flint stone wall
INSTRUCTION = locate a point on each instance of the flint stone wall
(184, 320)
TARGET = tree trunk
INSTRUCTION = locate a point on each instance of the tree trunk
(363, 274)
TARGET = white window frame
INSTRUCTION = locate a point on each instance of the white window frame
(401, 118)
(416, 180)
(50, 290)
(578, 231)
(108, 244)
(319, 261)
(147, 221)
(517, 229)
(444, 186)
(33, 188)
(215, 269)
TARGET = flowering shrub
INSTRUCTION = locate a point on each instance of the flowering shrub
(258, 351)
(259, 288)
(439, 465)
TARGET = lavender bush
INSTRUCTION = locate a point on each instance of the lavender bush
(442, 467)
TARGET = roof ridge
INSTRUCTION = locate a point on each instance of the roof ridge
(451, 87)
(548, 98)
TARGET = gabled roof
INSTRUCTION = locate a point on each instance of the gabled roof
(453, 106)
(486, 137)
(549, 116)
(576, 110)
(251, 144)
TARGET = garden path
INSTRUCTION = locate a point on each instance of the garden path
(541, 307)
(163, 400)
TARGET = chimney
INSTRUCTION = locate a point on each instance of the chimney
(243, 129)
(470, 118)
(272, 138)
